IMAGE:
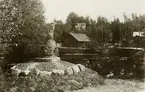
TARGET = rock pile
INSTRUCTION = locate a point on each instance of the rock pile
(68, 71)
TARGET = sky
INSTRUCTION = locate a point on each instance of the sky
(59, 9)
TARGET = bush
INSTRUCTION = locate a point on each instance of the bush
(25, 53)
(23, 29)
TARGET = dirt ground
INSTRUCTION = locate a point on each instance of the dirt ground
(116, 85)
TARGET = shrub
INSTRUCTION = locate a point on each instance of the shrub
(23, 29)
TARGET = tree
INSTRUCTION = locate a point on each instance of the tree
(116, 29)
(60, 28)
(72, 20)
(103, 29)
(22, 27)
(133, 24)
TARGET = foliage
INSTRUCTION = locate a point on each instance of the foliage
(22, 27)
(102, 31)
(103, 27)
(72, 19)
(93, 29)
(60, 28)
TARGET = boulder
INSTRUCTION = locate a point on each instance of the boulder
(27, 72)
(58, 72)
(81, 67)
(44, 73)
(68, 71)
(35, 71)
(75, 69)
(16, 71)
(24, 73)
(75, 84)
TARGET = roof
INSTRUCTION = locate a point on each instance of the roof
(141, 34)
(80, 37)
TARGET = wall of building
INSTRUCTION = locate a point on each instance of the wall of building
(69, 41)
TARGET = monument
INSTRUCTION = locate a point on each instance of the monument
(51, 42)
(51, 48)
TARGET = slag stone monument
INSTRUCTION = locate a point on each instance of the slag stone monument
(51, 44)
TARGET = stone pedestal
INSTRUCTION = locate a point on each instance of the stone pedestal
(47, 59)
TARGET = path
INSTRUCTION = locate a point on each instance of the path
(116, 85)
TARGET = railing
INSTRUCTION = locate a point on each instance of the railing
(69, 53)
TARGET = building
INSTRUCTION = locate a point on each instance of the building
(80, 26)
(139, 34)
(138, 38)
(75, 40)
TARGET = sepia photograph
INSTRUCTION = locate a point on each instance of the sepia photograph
(72, 45)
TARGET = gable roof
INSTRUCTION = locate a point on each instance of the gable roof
(80, 37)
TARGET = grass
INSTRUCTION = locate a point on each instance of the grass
(116, 85)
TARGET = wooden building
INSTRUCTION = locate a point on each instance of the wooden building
(138, 38)
(75, 40)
